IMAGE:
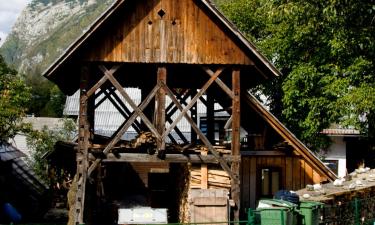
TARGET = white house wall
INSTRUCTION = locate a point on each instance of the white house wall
(337, 151)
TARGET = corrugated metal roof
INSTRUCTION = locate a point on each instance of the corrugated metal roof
(8, 152)
(108, 118)
(20, 169)
(341, 131)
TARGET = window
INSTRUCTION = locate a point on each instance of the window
(333, 165)
(269, 182)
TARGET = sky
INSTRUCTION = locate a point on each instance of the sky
(9, 11)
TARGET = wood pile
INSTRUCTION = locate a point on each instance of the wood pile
(144, 138)
(217, 179)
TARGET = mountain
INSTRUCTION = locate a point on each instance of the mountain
(45, 29)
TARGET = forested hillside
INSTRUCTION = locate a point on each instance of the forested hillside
(42, 32)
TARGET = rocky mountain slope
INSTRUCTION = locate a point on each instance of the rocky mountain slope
(45, 29)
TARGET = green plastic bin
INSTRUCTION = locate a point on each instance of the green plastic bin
(277, 212)
(309, 212)
(253, 217)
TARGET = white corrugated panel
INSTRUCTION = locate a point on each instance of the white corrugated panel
(108, 118)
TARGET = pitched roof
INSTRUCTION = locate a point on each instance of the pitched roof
(20, 169)
(267, 67)
(302, 149)
(341, 132)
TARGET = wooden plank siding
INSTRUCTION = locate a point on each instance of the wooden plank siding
(165, 31)
(296, 173)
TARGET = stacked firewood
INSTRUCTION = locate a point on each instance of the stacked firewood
(217, 179)
(144, 138)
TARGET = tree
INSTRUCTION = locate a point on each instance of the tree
(14, 97)
(46, 98)
(43, 142)
(325, 50)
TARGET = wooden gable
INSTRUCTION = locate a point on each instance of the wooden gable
(165, 31)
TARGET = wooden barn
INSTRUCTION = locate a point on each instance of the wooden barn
(178, 53)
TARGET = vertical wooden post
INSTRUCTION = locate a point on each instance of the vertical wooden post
(194, 116)
(83, 146)
(235, 167)
(160, 108)
(210, 117)
(204, 172)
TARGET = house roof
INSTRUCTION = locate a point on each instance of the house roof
(341, 132)
(20, 169)
(264, 65)
(39, 123)
(302, 149)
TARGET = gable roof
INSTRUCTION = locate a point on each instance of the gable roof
(265, 66)
(301, 149)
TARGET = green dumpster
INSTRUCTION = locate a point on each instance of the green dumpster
(253, 217)
(309, 212)
(277, 212)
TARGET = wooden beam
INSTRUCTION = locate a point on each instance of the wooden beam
(221, 84)
(123, 93)
(263, 153)
(122, 110)
(160, 109)
(204, 139)
(124, 128)
(83, 146)
(169, 158)
(192, 102)
(236, 146)
(204, 173)
(102, 81)
(124, 107)
(171, 110)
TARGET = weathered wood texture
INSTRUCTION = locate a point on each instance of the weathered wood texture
(235, 167)
(83, 146)
(296, 173)
(170, 158)
(160, 107)
(208, 206)
(166, 31)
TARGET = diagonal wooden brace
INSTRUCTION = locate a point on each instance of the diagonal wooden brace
(124, 128)
(94, 88)
(192, 102)
(122, 110)
(221, 84)
(118, 86)
(222, 162)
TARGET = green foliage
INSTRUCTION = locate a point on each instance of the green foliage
(325, 49)
(14, 97)
(42, 143)
(46, 98)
